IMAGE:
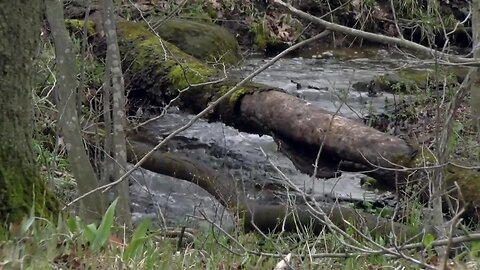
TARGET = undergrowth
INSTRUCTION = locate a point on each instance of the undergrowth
(73, 244)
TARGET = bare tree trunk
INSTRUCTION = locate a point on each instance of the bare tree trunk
(475, 87)
(115, 83)
(21, 186)
(93, 206)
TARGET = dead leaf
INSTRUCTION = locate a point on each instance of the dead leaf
(284, 263)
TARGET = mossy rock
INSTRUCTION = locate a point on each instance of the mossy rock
(468, 180)
(76, 27)
(159, 71)
(411, 81)
(404, 81)
(204, 41)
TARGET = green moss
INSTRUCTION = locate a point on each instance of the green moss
(75, 25)
(24, 190)
(205, 41)
(423, 158)
(468, 180)
(183, 69)
(412, 80)
(238, 94)
(181, 76)
(469, 183)
(367, 182)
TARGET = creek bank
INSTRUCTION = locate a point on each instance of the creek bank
(268, 28)
(264, 27)
(413, 81)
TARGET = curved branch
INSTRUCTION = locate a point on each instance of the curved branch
(377, 37)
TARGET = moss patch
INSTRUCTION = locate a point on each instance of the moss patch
(184, 75)
(76, 26)
(468, 180)
(411, 81)
(160, 69)
(23, 190)
(151, 52)
(204, 41)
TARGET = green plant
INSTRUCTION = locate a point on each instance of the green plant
(135, 248)
(261, 34)
(427, 242)
(97, 237)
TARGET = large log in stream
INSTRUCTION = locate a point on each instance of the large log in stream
(159, 70)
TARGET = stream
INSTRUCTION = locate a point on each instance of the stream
(252, 159)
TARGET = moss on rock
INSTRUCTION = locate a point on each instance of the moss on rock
(468, 180)
(204, 41)
(161, 70)
(410, 81)
(76, 26)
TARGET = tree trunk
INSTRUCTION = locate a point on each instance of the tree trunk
(21, 186)
(117, 111)
(475, 86)
(93, 205)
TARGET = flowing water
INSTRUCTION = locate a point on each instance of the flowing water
(251, 158)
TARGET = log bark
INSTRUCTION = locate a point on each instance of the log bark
(342, 138)
(21, 186)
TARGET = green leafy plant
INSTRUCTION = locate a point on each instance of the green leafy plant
(457, 128)
(135, 247)
(101, 234)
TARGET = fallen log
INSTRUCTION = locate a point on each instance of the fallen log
(266, 217)
(254, 108)
(159, 70)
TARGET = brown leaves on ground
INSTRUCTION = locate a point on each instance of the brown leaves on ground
(80, 257)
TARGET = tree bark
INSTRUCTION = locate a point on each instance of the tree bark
(21, 186)
(475, 86)
(117, 111)
(93, 205)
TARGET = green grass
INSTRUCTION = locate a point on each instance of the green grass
(72, 244)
